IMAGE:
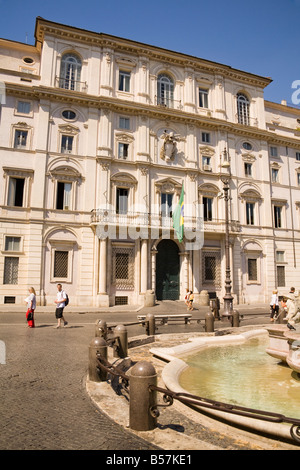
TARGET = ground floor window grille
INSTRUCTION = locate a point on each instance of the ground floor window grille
(211, 268)
(121, 300)
(61, 264)
(9, 300)
(123, 267)
(11, 270)
(281, 276)
(252, 269)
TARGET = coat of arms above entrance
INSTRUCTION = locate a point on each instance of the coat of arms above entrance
(169, 148)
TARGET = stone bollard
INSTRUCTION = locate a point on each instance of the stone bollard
(150, 326)
(204, 298)
(149, 298)
(97, 346)
(121, 349)
(209, 322)
(141, 399)
(235, 318)
(101, 329)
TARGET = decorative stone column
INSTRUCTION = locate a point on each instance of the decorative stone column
(184, 273)
(144, 265)
(153, 269)
(196, 273)
(103, 298)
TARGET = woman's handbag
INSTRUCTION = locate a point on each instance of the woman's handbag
(30, 316)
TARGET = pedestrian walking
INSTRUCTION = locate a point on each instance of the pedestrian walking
(187, 296)
(274, 305)
(61, 298)
(31, 306)
(191, 300)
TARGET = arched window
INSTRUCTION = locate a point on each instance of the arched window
(243, 109)
(165, 90)
(70, 72)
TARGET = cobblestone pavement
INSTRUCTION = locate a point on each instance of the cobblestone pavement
(44, 403)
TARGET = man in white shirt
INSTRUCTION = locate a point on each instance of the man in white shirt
(61, 298)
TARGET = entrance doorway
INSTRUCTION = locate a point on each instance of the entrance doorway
(167, 270)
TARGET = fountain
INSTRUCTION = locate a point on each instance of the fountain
(203, 368)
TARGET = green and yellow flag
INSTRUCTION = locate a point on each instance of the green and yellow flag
(178, 217)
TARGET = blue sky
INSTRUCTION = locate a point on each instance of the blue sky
(261, 37)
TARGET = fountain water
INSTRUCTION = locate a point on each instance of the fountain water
(236, 369)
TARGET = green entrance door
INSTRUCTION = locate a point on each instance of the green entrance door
(167, 271)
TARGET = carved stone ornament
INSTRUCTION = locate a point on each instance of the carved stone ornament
(169, 147)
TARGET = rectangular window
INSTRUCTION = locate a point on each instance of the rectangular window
(20, 139)
(280, 256)
(63, 197)
(203, 98)
(122, 200)
(206, 137)
(67, 143)
(207, 208)
(122, 266)
(124, 123)
(16, 192)
(281, 276)
(298, 179)
(11, 270)
(248, 169)
(206, 163)
(123, 151)
(250, 206)
(24, 107)
(277, 216)
(61, 264)
(273, 151)
(252, 269)
(210, 268)
(298, 156)
(275, 175)
(124, 81)
(12, 243)
(166, 201)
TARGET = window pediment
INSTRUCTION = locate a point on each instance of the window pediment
(248, 158)
(18, 172)
(124, 137)
(208, 190)
(68, 129)
(206, 151)
(125, 179)
(168, 185)
(65, 173)
(250, 195)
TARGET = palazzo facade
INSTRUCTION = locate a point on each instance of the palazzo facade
(98, 137)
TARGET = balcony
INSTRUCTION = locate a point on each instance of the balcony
(246, 120)
(72, 85)
(165, 102)
(157, 221)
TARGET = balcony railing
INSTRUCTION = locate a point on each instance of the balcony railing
(246, 120)
(168, 102)
(147, 220)
(69, 84)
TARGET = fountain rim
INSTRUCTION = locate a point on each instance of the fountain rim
(176, 365)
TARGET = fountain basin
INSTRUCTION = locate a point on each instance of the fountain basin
(285, 345)
(177, 366)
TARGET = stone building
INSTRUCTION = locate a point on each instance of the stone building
(99, 135)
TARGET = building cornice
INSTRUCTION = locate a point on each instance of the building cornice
(45, 27)
(151, 111)
(282, 107)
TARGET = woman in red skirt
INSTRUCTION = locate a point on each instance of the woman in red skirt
(31, 306)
